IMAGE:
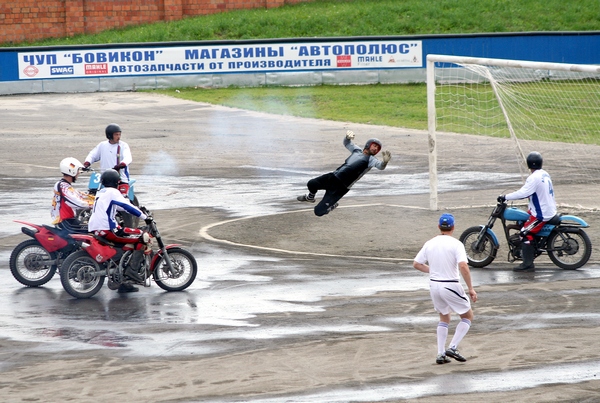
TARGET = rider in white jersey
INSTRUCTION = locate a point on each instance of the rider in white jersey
(103, 222)
(542, 207)
(112, 153)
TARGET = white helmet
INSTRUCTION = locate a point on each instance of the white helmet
(70, 166)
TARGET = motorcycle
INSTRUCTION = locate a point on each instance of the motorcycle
(562, 238)
(34, 261)
(83, 273)
(123, 218)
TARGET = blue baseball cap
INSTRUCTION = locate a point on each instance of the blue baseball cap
(446, 221)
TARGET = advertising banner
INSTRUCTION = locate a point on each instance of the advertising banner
(243, 58)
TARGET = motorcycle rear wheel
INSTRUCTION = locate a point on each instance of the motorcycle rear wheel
(31, 264)
(185, 267)
(81, 276)
(486, 253)
(570, 249)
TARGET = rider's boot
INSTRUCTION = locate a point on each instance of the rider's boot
(133, 267)
(124, 288)
(528, 256)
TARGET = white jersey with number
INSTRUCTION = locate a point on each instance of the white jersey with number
(442, 254)
(538, 188)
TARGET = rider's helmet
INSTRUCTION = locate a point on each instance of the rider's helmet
(112, 129)
(70, 166)
(371, 141)
(110, 178)
(534, 160)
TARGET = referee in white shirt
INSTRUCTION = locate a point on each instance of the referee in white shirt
(443, 257)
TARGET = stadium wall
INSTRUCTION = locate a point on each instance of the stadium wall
(30, 20)
(276, 62)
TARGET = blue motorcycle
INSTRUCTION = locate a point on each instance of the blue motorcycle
(562, 238)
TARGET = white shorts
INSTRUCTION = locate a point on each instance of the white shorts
(449, 297)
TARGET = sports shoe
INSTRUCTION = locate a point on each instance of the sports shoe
(442, 359)
(305, 198)
(452, 352)
(124, 288)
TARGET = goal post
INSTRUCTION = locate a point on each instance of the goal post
(553, 108)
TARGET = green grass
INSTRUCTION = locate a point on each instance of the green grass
(389, 105)
(329, 18)
(393, 105)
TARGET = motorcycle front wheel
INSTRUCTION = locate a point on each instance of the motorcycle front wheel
(482, 256)
(569, 250)
(31, 264)
(185, 270)
(81, 276)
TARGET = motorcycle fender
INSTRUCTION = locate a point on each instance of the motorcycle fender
(159, 254)
(49, 240)
(573, 219)
(494, 237)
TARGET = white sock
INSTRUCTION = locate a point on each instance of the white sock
(461, 331)
(442, 335)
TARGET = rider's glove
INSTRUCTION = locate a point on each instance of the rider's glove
(148, 220)
(501, 199)
(119, 166)
(350, 135)
(386, 156)
(86, 166)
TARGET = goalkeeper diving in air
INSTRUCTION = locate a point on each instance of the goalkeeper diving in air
(337, 183)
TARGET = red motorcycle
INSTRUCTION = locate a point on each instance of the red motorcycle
(83, 273)
(33, 262)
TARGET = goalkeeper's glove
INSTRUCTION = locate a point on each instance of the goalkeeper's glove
(386, 156)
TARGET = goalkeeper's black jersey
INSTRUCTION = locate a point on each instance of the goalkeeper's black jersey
(356, 165)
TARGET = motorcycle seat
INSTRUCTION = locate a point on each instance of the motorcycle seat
(105, 241)
(73, 227)
(554, 220)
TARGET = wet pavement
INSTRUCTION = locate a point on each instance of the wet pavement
(260, 303)
(227, 309)
(224, 309)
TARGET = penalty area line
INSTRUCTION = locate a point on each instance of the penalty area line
(204, 234)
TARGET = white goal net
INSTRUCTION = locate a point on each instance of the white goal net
(512, 107)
